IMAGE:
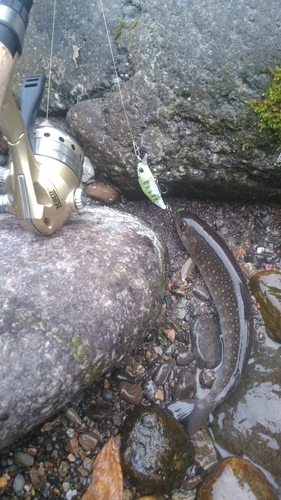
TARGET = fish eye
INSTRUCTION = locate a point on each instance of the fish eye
(182, 225)
(141, 170)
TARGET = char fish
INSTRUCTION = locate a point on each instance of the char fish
(226, 284)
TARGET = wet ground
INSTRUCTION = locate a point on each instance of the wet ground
(58, 471)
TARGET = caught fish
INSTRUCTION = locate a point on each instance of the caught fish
(226, 285)
(148, 184)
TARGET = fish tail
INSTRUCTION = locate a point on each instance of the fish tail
(190, 413)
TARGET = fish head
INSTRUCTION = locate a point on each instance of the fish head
(187, 233)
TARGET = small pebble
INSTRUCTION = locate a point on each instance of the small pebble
(70, 432)
(260, 250)
(82, 454)
(37, 476)
(157, 349)
(191, 483)
(3, 481)
(128, 495)
(63, 469)
(73, 416)
(132, 393)
(182, 308)
(23, 459)
(18, 484)
(70, 494)
(163, 371)
(65, 486)
(72, 445)
(32, 451)
(103, 193)
(107, 395)
(167, 393)
(185, 386)
(88, 464)
(170, 334)
(184, 356)
(82, 472)
(135, 367)
(148, 355)
(99, 412)
(106, 384)
(117, 418)
(45, 490)
(179, 495)
(147, 498)
(207, 378)
(121, 375)
(150, 390)
(159, 395)
(88, 440)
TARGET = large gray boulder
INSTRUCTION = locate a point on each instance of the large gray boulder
(70, 306)
(186, 70)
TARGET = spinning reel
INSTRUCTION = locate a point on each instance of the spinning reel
(46, 164)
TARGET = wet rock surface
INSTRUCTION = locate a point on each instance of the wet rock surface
(62, 468)
(155, 450)
(266, 287)
(184, 93)
(236, 478)
(249, 423)
(71, 305)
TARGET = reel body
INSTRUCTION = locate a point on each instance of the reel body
(46, 167)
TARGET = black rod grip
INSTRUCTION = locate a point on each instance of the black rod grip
(13, 23)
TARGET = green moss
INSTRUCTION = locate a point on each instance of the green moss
(118, 31)
(268, 109)
(122, 25)
(134, 24)
(77, 349)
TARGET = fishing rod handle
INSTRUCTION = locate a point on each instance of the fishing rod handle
(13, 23)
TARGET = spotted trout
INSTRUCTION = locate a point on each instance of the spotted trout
(226, 284)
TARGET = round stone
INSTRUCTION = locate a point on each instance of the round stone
(155, 450)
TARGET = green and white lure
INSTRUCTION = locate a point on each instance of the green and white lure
(148, 184)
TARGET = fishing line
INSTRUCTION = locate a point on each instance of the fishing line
(135, 146)
(51, 59)
(146, 179)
